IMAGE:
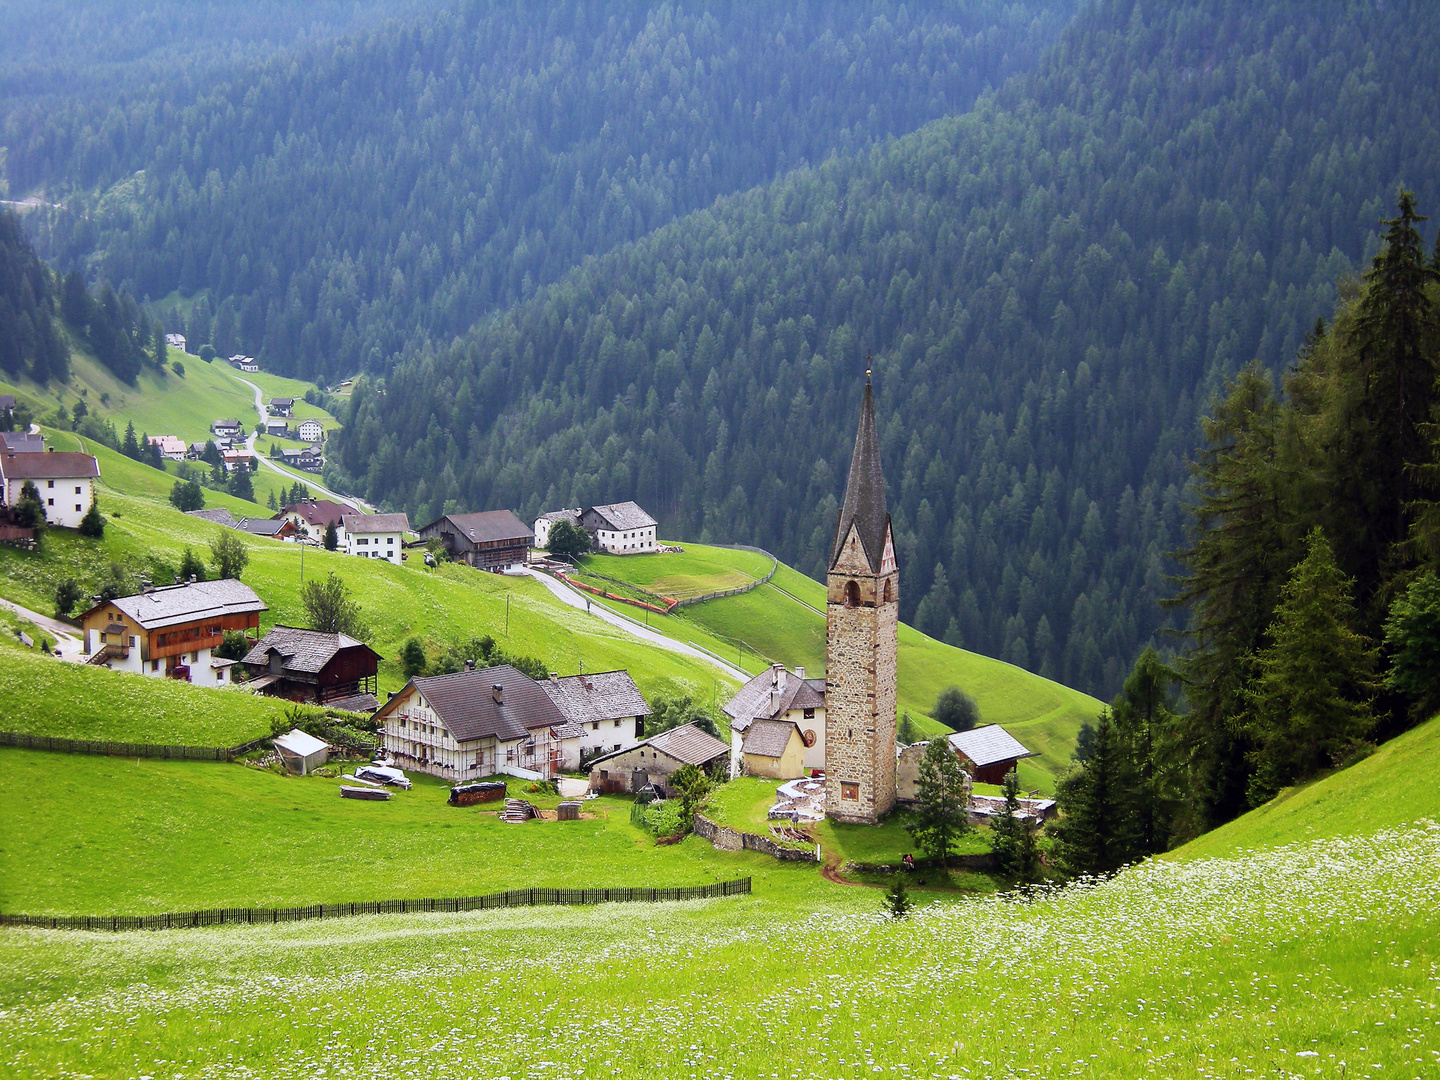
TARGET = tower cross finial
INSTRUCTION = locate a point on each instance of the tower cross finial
(868, 359)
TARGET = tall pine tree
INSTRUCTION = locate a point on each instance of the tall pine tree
(1096, 833)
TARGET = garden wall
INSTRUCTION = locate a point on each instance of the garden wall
(724, 838)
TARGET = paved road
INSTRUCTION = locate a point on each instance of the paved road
(577, 599)
(308, 479)
(67, 643)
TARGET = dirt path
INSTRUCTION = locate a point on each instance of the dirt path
(68, 644)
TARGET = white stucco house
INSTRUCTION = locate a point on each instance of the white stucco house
(606, 706)
(311, 431)
(65, 482)
(375, 536)
(620, 528)
(784, 696)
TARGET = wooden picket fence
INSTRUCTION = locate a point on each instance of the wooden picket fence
(261, 916)
(137, 750)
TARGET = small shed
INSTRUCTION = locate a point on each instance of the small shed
(991, 752)
(301, 752)
(774, 748)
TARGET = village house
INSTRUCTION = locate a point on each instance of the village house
(307, 458)
(474, 724)
(277, 427)
(268, 527)
(176, 341)
(783, 696)
(195, 451)
(989, 752)
(545, 522)
(607, 706)
(620, 528)
(311, 431)
(656, 759)
(235, 459)
(282, 406)
(375, 536)
(65, 483)
(7, 404)
(307, 665)
(313, 516)
(494, 540)
(244, 363)
(171, 631)
(773, 748)
(21, 442)
(226, 429)
(172, 447)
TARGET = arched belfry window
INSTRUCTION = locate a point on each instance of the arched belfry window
(852, 594)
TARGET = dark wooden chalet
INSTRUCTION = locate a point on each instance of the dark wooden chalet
(307, 665)
(990, 752)
(492, 540)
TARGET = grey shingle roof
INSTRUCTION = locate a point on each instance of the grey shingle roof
(21, 442)
(376, 523)
(686, 743)
(603, 695)
(488, 525)
(572, 516)
(864, 505)
(768, 738)
(989, 744)
(219, 516)
(465, 705)
(622, 516)
(171, 605)
(260, 526)
(306, 651)
(754, 698)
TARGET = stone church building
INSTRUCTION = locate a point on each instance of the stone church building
(862, 622)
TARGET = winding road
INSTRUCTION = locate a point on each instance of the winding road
(308, 479)
(576, 599)
(67, 645)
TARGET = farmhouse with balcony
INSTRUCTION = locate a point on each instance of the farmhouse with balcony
(307, 458)
(607, 706)
(307, 665)
(656, 759)
(477, 723)
(783, 696)
(282, 406)
(170, 631)
(311, 431)
(65, 483)
(313, 516)
(491, 540)
(226, 429)
(375, 536)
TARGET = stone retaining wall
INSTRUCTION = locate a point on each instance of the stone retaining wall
(724, 838)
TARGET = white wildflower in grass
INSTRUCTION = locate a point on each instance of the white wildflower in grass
(1271, 964)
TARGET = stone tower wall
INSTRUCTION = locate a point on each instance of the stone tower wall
(861, 647)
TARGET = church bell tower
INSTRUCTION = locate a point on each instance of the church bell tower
(862, 625)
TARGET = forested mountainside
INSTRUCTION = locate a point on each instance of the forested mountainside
(339, 206)
(82, 82)
(1052, 286)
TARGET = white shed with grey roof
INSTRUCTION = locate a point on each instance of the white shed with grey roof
(301, 752)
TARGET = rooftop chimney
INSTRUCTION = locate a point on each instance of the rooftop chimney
(774, 702)
(777, 676)
(498, 693)
(800, 673)
(469, 665)
(554, 676)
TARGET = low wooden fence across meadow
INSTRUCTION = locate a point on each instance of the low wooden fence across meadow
(179, 920)
(58, 745)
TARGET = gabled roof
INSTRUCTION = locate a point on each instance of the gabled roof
(299, 743)
(465, 704)
(22, 442)
(864, 507)
(686, 743)
(376, 523)
(318, 512)
(304, 651)
(282, 401)
(231, 423)
(769, 738)
(572, 516)
(603, 695)
(621, 516)
(486, 526)
(264, 526)
(191, 601)
(219, 516)
(755, 699)
(988, 745)
(64, 465)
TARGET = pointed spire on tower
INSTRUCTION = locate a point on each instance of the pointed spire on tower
(864, 490)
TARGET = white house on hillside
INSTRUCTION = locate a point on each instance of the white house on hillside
(607, 706)
(65, 482)
(620, 528)
(545, 522)
(375, 536)
(311, 431)
(176, 341)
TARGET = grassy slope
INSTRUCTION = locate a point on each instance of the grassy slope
(43, 696)
(700, 569)
(1044, 715)
(1393, 786)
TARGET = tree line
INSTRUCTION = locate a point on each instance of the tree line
(1310, 575)
(1051, 286)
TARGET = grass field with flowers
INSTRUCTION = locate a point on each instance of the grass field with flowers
(1312, 959)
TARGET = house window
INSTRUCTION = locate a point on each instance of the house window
(50, 502)
(49, 483)
(849, 790)
(220, 675)
(77, 489)
(617, 723)
(809, 714)
(154, 665)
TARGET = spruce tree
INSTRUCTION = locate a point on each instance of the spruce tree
(1096, 832)
(1144, 718)
(92, 524)
(332, 537)
(130, 447)
(1314, 685)
(942, 792)
(1005, 829)
(897, 900)
(1412, 638)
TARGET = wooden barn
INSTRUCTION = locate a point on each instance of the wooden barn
(492, 540)
(306, 665)
(989, 751)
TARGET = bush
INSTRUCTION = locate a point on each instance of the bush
(67, 594)
(207, 353)
(664, 818)
(92, 524)
(956, 709)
